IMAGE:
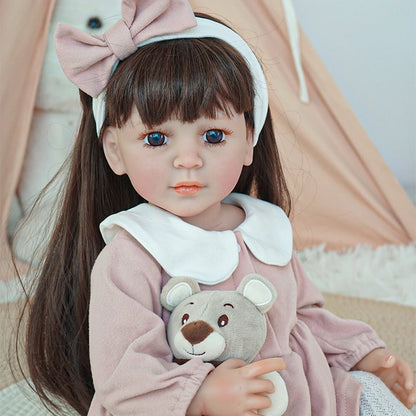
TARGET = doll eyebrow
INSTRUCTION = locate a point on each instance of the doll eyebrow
(228, 304)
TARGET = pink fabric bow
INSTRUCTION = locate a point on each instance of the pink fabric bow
(87, 60)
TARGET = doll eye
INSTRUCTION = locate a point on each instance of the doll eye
(222, 321)
(214, 136)
(155, 139)
(185, 319)
(94, 23)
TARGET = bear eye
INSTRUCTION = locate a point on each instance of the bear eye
(94, 23)
(222, 320)
(185, 319)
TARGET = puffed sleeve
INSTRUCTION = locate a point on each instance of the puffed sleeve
(131, 361)
(343, 341)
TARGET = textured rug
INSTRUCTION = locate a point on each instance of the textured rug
(386, 273)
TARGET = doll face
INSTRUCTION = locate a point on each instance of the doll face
(186, 168)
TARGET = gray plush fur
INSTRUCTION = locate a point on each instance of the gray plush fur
(222, 324)
(217, 325)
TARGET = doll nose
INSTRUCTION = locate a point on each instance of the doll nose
(196, 332)
(187, 157)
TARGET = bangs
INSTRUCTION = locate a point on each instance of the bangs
(181, 78)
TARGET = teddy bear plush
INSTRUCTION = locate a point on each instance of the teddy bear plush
(54, 124)
(216, 325)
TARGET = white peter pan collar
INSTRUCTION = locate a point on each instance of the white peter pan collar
(209, 257)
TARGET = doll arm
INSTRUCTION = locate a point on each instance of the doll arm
(396, 373)
(343, 341)
(131, 361)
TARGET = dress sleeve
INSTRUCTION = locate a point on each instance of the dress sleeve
(343, 341)
(131, 361)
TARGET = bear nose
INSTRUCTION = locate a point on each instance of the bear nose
(196, 332)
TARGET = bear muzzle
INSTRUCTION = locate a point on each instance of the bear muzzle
(196, 332)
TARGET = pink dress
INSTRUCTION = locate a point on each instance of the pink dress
(130, 358)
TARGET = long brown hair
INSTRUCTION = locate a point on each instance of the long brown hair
(185, 78)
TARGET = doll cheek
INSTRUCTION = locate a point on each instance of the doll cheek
(228, 176)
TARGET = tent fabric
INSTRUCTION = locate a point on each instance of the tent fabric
(343, 192)
(23, 28)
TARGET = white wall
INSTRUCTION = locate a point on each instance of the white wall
(369, 48)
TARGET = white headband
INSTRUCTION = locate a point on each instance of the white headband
(207, 28)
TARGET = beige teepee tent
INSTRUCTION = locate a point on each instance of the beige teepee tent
(24, 29)
(344, 194)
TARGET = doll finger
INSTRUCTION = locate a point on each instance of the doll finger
(402, 374)
(412, 399)
(407, 382)
(412, 396)
(389, 378)
(394, 380)
(406, 397)
(233, 363)
(399, 393)
(406, 374)
(259, 385)
(261, 367)
(258, 402)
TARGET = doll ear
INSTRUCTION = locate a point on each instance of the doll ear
(111, 151)
(176, 290)
(248, 159)
(258, 290)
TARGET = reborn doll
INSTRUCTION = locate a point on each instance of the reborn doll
(175, 135)
(217, 325)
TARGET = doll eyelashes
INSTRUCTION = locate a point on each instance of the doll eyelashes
(94, 23)
(155, 139)
(214, 136)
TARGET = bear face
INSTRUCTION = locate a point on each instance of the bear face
(55, 92)
(217, 325)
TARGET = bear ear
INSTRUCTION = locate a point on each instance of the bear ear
(176, 290)
(258, 290)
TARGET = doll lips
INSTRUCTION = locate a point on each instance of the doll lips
(188, 188)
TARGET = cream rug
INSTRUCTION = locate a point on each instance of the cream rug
(385, 273)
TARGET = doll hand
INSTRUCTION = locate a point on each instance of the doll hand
(396, 373)
(233, 389)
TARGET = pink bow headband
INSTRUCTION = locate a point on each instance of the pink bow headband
(89, 60)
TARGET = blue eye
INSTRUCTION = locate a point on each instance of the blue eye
(155, 139)
(214, 136)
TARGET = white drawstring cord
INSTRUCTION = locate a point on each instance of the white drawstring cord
(292, 27)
